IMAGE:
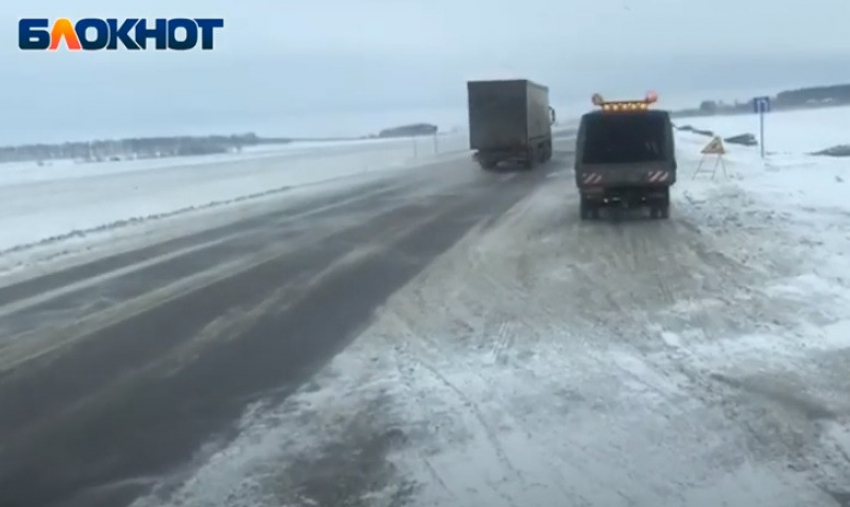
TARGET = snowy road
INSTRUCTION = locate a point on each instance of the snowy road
(696, 362)
(542, 360)
(118, 369)
(448, 337)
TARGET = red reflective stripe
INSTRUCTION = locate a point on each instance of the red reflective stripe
(656, 176)
(591, 178)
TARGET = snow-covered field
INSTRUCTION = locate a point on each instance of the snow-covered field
(697, 361)
(67, 205)
(787, 134)
(53, 170)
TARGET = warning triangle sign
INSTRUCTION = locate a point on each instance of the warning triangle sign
(715, 147)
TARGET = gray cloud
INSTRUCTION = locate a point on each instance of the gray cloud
(292, 66)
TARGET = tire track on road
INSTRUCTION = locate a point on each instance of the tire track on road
(149, 423)
(302, 209)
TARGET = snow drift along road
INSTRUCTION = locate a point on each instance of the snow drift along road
(67, 200)
(70, 212)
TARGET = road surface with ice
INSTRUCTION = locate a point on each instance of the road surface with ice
(489, 348)
(119, 368)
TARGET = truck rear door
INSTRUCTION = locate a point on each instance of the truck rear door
(497, 115)
(631, 148)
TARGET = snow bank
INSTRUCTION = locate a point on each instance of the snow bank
(789, 190)
(792, 195)
(66, 200)
(786, 132)
(788, 178)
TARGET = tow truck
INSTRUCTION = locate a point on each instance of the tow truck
(625, 157)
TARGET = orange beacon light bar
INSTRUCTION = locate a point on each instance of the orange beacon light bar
(625, 105)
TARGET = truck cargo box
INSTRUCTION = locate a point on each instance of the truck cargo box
(509, 118)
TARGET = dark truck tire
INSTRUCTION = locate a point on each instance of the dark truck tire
(661, 208)
(664, 210)
(548, 152)
(530, 159)
(588, 209)
(487, 164)
(659, 212)
(543, 153)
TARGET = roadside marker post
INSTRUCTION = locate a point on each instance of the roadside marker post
(761, 105)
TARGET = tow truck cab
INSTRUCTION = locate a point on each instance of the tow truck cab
(625, 157)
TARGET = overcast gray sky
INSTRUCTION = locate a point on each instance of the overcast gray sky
(349, 66)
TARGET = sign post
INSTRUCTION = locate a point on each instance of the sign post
(761, 105)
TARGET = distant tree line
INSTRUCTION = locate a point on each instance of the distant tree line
(135, 148)
(416, 129)
(173, 146)
(837, 94)
(819, 96)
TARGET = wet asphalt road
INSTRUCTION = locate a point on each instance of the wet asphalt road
(118, 371)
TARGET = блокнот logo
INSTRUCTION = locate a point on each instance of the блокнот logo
(92, 34)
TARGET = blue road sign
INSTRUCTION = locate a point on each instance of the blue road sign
(761, 105)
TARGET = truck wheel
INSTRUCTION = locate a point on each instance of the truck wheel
(545, 152)
(530, 159)
(588, 210)
(548, 152)
(487, 164)
(664, 208)
(659, 211)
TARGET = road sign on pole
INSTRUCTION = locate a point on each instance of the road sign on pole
(761, 105)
